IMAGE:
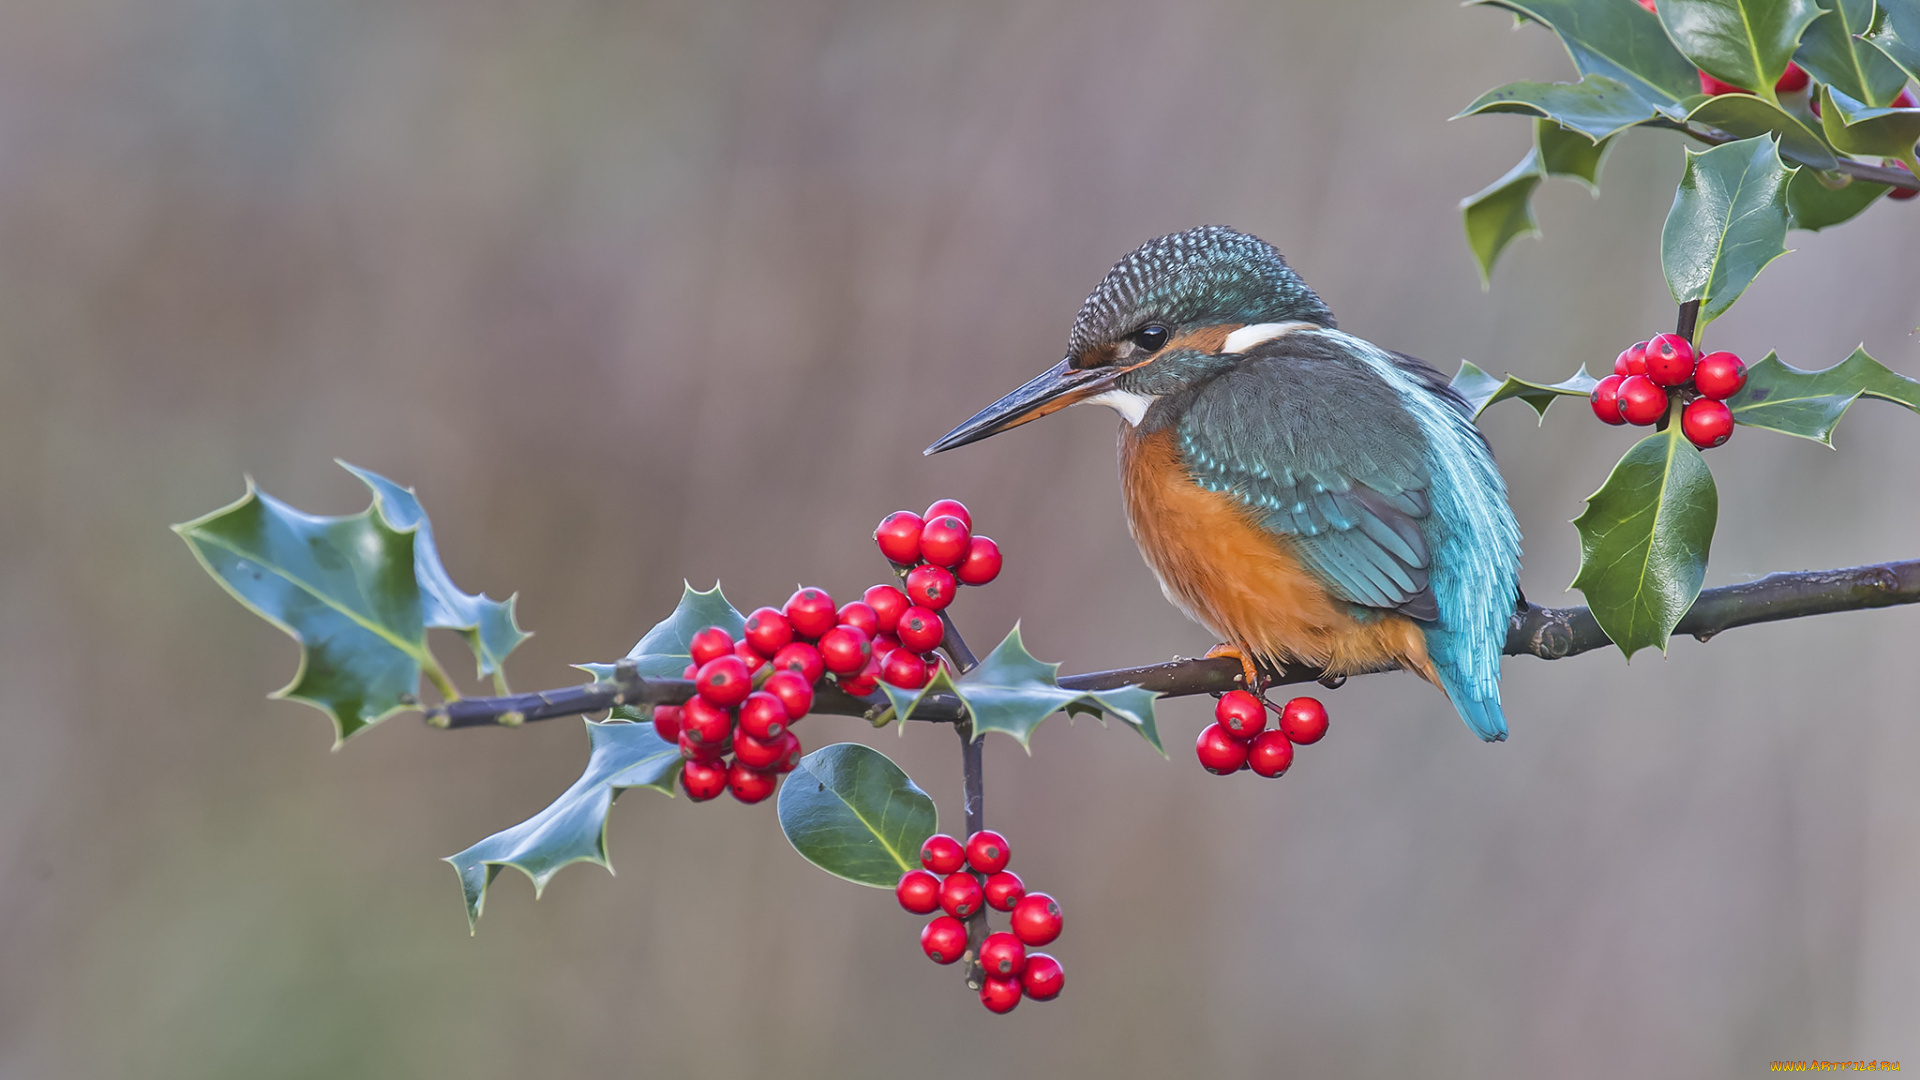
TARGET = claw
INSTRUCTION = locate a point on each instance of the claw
(1250, 673)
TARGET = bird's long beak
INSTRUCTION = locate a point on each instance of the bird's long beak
(1050, 391)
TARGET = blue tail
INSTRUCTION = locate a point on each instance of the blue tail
(1482, 713)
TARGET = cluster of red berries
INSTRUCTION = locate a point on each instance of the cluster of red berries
(733, 736)
(940, 549)
(1239, 737)
(1650, 373)
(957, 881)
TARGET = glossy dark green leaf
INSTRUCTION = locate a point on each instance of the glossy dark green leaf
(849, 810)
(1596, 106)
(1832, 52)
(1897, 38)
(1743, 42)
(666, 650)
(1617, 39)
(1745, 116)
(1815, 200)
(1807, 404)
(1502, 213)
(1133, 706)
(1482, 390)
(487, 624)
(1644, 538)
(1855, 128)
(574, 828)
(1729, 220)
(1011, 692)
(1569, 154)
(343, 587)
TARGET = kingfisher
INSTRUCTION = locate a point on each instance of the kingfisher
(1304, 494)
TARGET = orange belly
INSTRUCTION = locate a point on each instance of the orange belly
(1242, 582)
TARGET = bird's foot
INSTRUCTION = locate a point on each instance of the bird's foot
(1250, 672)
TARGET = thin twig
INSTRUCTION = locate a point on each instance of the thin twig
(1859, 170)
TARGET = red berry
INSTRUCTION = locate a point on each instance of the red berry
(942, 854)
(845, 649)
(1641, 402)
(1002, 954)
(982, 563)
(859, 615)
(793, 690)
(1036, 919)
(750, 785)
(944, 939)
(1270, 754)
(802, 659)
(1219, 751)
(1899, 193)
(666, 722)
(756, 753)
(918, 892)
(692, 749)
(790, 751)
(899, 537)
(767, 631)
(710, 644)
(905, 670)
(702, 780)
(1648, 4)
(930, 587)
(1000, 995)
(888, 604)
(987, 852)
(1903, 100)
(884, 645)
(1714, 87)
(1303, 720)
(961, 895)
(920, 630)
(724, 681)
(1606, 399)
(1719, 376)
(753, 660)
(1004, 890)
(1242, 714)
(865, 682)
(1669, 360)
(1793, 80)
(1706, 423)
(944, 541)
(811, 612)
(690, 672)
(1632, 360)
(705, 723)
(946, 507)
(1043, 977)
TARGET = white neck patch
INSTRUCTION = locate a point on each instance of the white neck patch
(1129, 405)
(1248, 336)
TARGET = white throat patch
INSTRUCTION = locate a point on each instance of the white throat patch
(1129, 405)
(1248, 336)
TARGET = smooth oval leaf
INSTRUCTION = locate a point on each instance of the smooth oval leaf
(1743, 42)
(1729, 220)
(849, 810)
(573, 828)
(1644, 539)
(1808, 404)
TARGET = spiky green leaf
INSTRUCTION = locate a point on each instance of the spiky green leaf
(666, 650)
(1898, 38)
(849, 810)
(1743, 42)
(1729, 220)
(905, 701)
(1570, 154)
(1832, 52)
(1817, 200)
(1596, 106)
(1807, 404)
(574, 827)
(1502, 213)
(1644, 538)
(1853, 127)
(1133, 705)
(1011, 692)
(1619, 40)
(1482, 390)
(1745, 116)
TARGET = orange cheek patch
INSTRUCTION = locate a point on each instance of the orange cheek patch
(1206, 339)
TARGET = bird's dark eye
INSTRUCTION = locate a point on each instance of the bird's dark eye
(1149, 338)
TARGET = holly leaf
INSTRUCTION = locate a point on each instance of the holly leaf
(344, 588)
(904, 701)
(487, 624)
(1745, 116)
(1133, 705)
(1009, 691)
(1832, 51)
(1482, 390)
(1617, 39)
(667, 649)
(1596, 106)
(1644, 538)
(1817, 200)
(1729, 220)
(1898, 39)
(1808, 404)
(1501, 213)
(849, 810)
(1570, 154)
(574, 827)
(1746, 43)
(1854, 127)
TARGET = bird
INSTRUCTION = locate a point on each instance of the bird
(1304, 494)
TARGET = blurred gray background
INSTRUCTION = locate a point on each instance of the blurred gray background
(638, 292)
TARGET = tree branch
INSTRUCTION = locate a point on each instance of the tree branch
(1548, 633)
(1859, 170)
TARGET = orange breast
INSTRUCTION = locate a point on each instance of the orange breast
(1242, 582)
